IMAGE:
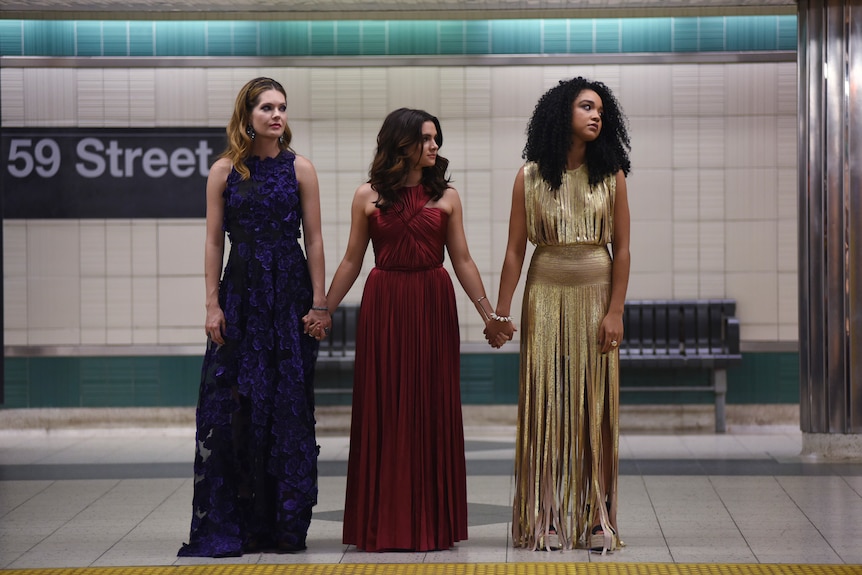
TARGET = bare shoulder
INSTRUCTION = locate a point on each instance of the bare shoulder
(302, 161)
(221, 166)
(364, 198)
(448, 202)
(365, 192)
(303, 165)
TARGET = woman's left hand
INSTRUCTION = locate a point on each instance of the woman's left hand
(317, 324)
(611, 332)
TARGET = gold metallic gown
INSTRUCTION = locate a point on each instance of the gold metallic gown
(568, 388)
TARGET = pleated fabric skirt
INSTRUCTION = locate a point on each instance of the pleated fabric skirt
(406, 472)
(568, 403)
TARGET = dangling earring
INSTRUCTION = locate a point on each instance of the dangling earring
(281, 139)
(250, 131)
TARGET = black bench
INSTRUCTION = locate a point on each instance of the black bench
(695, 334)
(659, 334)
(333, 383)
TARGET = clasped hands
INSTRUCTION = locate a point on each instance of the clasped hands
(317, 324)
(499, 332)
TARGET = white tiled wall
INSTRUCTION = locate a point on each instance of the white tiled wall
(712, 188)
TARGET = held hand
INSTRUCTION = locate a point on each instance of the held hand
(317, 324)
(506, 334)
(308, 323)
(498, 332)
(214, 325)
(324, 326)
(610, 333)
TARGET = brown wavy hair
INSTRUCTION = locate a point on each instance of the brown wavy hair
(397, 140)
(238, 141)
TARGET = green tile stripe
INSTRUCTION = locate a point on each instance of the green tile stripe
(101, 381)
(88, 38)
(486, 379)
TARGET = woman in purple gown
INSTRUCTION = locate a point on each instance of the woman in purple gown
(256, 453)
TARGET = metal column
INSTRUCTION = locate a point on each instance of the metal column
(830, 216)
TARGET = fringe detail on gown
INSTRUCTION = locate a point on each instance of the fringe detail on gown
(566, 387)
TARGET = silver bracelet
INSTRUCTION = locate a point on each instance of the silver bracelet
(504, 318)
(319, 308)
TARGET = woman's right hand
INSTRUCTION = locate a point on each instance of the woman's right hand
(215, 324)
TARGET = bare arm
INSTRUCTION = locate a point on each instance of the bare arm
(357, 244)
(611, 328)
(309, 196)
(513, 262)
(462, 262)
(214, 248)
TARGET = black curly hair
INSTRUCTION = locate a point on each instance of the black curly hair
(549, 134)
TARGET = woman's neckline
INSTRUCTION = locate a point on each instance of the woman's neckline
(264, 158)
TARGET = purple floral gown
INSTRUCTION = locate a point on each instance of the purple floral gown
(255, 472)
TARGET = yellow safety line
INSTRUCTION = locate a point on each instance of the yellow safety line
(460, 569)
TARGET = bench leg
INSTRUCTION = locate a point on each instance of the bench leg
(719, 384)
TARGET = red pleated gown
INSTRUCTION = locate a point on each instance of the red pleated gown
(406, 474)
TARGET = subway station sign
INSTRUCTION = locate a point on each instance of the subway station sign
(107, 173)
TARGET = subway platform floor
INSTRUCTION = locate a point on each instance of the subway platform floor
(109, 497)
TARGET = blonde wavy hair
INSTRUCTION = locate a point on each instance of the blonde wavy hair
(238, 141)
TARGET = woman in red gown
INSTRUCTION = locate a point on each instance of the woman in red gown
(406, 476)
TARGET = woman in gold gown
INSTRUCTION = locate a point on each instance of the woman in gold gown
(569, 200)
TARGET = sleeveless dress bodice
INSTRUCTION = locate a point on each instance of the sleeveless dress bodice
(575, 213)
